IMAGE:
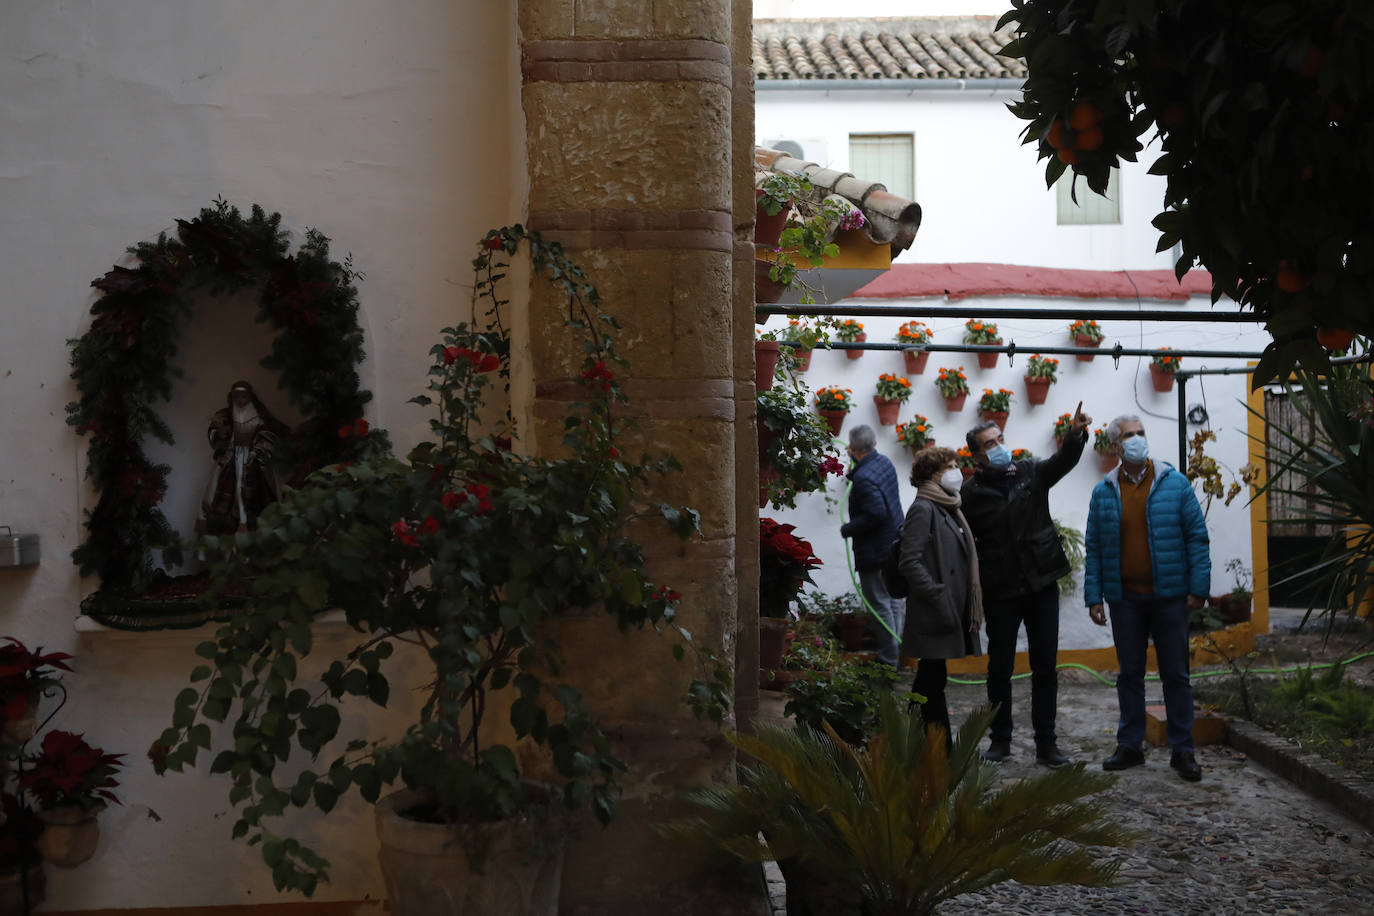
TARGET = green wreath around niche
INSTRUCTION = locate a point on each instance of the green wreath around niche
(124, 364)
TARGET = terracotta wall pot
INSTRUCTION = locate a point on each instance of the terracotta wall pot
(1106, 461)
(767, 227)
(803, 358)
(888, 409)
(1037, 389)
(916, 361)
(766, 289)
(955, 403)
(1164, 381)
(997, 416)
(1230, 608)
(512, 866)
(766, 353)
(967, 471)
(1083, 340)
(70, 834)
(834, 419)
(989, 360)
(855, 354)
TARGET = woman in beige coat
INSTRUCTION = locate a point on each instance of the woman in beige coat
(944, 605)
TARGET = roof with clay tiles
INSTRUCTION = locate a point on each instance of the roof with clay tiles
(932, 47)
(889, 219)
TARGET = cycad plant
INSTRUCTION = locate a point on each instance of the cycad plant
(900, 822)
(1332, 474)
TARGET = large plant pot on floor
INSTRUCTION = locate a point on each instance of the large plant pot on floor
(511, 867)
(70, 834)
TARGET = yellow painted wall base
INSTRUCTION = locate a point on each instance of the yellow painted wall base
(1208, 728)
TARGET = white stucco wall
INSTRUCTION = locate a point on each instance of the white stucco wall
(984, 199)
(392, 128)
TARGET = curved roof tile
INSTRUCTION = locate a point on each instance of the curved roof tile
(930, 47)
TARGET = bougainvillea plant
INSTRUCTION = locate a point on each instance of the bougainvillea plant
(416, 552)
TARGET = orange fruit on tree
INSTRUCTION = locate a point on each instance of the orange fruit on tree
(1084, 115)
(1054, 136)
(1067, 156)
(1174, 115)
(1089, 140)
(1334, 338)
(1289, 278)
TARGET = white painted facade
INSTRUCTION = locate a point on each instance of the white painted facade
(392, 128)
(984, 200)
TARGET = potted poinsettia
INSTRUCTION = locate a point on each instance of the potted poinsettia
(995, 406)
(1163, 366)
(982, 333)
(916, 333)
(1041, 373)
(916, 434)
(24, 677)
(851, 331)
(834, 404)
(1085, 333)
(953, 385)
(70, 781)
(785, 564)
(416, 554)
(892, 393)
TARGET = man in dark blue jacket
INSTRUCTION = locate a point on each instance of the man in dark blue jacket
(875, 521)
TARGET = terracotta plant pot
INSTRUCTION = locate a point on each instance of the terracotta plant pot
(767, 227)
(834, 419)
(855, 354)
(955, 402)
(766, 289)
(803, 358)
(772, 640)
(1230, 608)
(766, 353)
(887, 410)
(1037, 389)
(1106, 461)
(989, 360)
(509, 866)
(997, 416)
(1164, 381)
(70, 834)
(967, 471)
(1087, 342)
(850, 630)
(916, 361)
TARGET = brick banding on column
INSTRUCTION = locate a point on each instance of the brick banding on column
(709, 230)
(710, 399)
(637, 60)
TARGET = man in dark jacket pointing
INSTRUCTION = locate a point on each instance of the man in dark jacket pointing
(875, 521)
(1020, 559)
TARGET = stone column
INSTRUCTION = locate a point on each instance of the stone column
(629, 116)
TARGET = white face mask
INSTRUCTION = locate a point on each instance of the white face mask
(952, 480)
(1135, 450)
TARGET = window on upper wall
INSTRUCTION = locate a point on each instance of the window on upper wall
(1092, 209)
(888, 158)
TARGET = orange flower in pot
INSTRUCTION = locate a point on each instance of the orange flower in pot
(1041, 373)
(915, 332)
(953, 385)
(893, 391)
(982, 333)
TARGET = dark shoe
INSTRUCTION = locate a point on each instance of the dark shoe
(997, 751)
(1123, 759)
(1187, 765)
(1048, 755)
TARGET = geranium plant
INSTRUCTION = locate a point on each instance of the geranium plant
(785, 564)
(795, 444)
(998, 401)
(1165, 361)
(1021, 454)
(914, 332)
(1085, 327)
(952, 382)
(1062, 425)
(980, 332)
(417, 553)
(849, 330)
(1042, 367)
(893, 387)
(1102, 442)
(917, 434)
(69, 772)
(834, 398)
(964, 458)
(24, 675)
(804, 334)
(807, 237)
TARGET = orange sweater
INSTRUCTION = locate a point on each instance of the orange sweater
(1136, 574)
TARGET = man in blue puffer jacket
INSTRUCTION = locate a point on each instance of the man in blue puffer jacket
(1147, 558)
(875, 521)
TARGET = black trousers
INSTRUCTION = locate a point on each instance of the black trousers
(1039, 611)
(931, 676)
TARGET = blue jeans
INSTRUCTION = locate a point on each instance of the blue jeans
(890, 609)
(1135, 619)
(1039, 611)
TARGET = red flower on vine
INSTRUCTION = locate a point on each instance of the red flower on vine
(598, 374)
(831, 465)
(429, 526)
(402, 531)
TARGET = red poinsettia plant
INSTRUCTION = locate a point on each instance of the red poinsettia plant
(24, 675)
(67, 771)
(785, 563)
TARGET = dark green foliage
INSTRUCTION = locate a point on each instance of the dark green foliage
(1265, 115)
(126, 363)
(846, 699)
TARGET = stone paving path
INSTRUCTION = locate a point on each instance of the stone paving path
(1242, 841)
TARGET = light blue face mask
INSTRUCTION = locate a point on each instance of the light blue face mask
(1135, 449)
(999, 456)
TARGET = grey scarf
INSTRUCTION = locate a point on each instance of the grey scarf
(932, 491)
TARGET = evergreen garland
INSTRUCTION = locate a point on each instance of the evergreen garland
(125, 363)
